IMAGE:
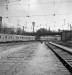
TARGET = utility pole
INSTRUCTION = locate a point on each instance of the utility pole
(23, 29)
(33, 23)
(18, 23)
(0, 24)
(46, 26)
(54, 24)
(26, 24)
(64, 21)
(7, 6)
(49, 28)
(70, 27)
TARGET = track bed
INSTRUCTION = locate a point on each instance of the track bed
(64, 56)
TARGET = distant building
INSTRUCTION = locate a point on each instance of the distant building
(10, 30)
(66, 35)
(70, 27)
(7, 30)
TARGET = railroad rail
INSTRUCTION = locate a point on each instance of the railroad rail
(67, 44)
(63, 53)
(69, 50)
(16, 59)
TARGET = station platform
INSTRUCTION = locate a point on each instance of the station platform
(63, 47)
(42, 62)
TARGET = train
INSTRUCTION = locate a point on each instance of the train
(48, 38)
(15, 38)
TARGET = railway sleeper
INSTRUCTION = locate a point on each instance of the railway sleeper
(64, 62)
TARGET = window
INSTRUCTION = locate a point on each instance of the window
(11, 37)
(6, 37)
(3, 37)
(0, 37)
(17, 37)
(22, 37)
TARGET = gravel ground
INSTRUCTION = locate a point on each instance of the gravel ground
(13, 58)
(32, 59)
(6, 46)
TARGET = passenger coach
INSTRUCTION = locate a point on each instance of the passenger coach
(10, 38)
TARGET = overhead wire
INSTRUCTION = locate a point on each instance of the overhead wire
(47, 14)
(56, 10)
(40, 3)
(28, 7)
(58, 7)
(21, 7)
(54, 13)
(44, 15)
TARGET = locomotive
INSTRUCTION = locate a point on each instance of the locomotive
(13, 38)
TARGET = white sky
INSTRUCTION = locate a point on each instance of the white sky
(40, 11)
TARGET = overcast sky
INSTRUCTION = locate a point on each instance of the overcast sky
(55, 14)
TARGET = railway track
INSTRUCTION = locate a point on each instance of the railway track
(67, 44)
(64, 56)
(14, 60)
(14, 67)
(6, 46)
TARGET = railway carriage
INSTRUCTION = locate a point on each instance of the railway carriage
(10, 38)
(47, 38)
